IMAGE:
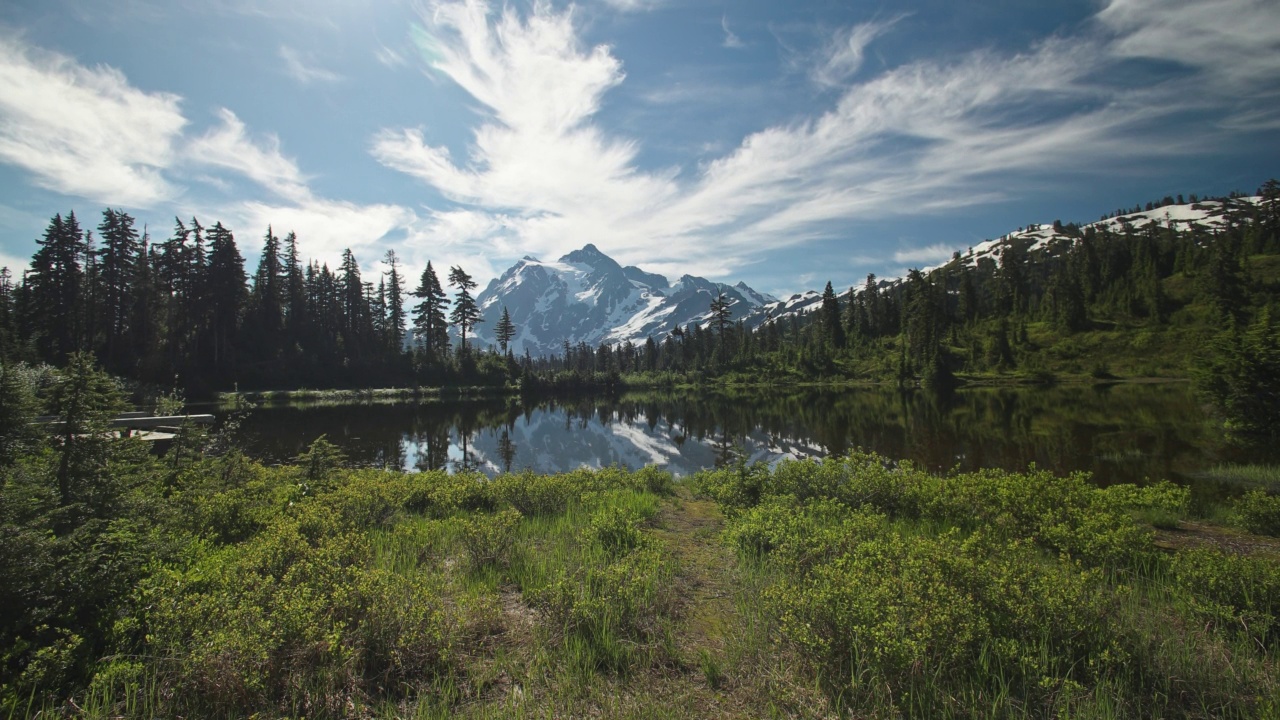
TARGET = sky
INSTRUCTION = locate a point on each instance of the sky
(785, 144)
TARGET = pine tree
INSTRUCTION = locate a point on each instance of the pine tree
(832, 328)
(297, 310)
(228, 295)
(8, 319)
(465, 311)
(355, 306)
(56, 285)
(118, 262)
(266, 315)
(505, 331)
(394, 303)
(720, 317)
(430, 325)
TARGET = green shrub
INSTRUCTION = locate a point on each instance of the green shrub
(488, 538)
(441, 494)
(533, 494)
(1238, 593)
(1259, 512)
(1163, 504)
(614, 528)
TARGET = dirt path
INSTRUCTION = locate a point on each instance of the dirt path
(691, 528)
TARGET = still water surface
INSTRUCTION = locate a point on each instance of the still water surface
(1119, 433)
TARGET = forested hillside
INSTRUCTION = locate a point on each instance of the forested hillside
(1113, 298)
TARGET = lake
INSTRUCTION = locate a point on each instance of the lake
(1117, 432)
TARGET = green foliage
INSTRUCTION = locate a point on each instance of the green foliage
(17, 407)
(1259, 512)
(614, 528)
(997, 594)
(1241, 376)
(441, 494)
(488, 538)
(319, 460)
(534, 494)
(1240, 594)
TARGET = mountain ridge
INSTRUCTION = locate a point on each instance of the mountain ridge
(588, 297)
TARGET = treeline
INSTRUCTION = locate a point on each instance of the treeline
(1016, 311)
(183, 312)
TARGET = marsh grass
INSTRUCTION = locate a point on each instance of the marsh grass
(1266, 476)
(853, 587)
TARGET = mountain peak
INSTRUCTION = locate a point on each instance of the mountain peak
(589, 254)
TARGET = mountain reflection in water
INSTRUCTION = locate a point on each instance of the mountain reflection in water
(1120, 433)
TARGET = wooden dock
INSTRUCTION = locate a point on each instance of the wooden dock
(148, 425)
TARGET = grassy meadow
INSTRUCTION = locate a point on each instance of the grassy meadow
(851, 587)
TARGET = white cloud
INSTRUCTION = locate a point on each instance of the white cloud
(920, 137)
(15, 264)
(85, 131)
(924, 255)
(326, 227)
(230, 147)
(632, 5)
(843, 54)
(388, 57)
(305, 72)
(731, 40)
(1234, 45)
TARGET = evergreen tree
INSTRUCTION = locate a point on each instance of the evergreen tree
(118, 261)
(394, 303)
(355, 305)
(430, 325)
(266, 313)
(56, 285)
(228, 295)
(297, 309)
(465, 311)
(505, 331)
(720, 317)
(832, 327)
(8, 321)
(1241, 376)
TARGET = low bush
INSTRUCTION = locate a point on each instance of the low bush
(534, 494)
(1258, 512)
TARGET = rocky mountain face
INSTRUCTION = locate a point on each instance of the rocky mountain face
(588, 297)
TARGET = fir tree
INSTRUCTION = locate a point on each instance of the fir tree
(266, 301)
(118, 261)
(430, 324)
(465, 311)
(832, 327)
(394, 303)
(505, 331)
(56, 286)
(228, 295)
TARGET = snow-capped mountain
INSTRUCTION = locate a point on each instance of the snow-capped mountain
(586, 296)
(1207, 215)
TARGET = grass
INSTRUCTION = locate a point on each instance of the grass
(849, 588)
(1266, 476)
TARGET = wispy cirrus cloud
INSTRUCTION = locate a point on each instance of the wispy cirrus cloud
(229, 147)
(85, 131)
(731, 40)
(304, 70)
(922, 136)
(842, 55)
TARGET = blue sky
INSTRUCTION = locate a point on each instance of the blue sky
(780, 143)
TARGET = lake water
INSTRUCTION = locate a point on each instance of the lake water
(1119, 433)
